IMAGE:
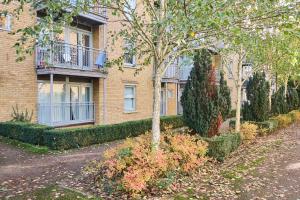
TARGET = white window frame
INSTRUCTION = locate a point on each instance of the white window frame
(7, 25)
(127, 45)
(67, 92)
(134, 98)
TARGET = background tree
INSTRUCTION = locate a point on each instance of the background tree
(200, 96)
(224, 97)
(292, 99)
(257, 106)
(279, 104)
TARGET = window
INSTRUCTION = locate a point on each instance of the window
(5, 22)
(129, 57)
(230, 69)
(129, 8)
(129, 98)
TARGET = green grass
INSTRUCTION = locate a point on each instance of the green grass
(54, 192)
(25, 146)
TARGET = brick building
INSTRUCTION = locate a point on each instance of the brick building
(68, 84)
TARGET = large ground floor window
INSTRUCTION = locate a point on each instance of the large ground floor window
(65, 102)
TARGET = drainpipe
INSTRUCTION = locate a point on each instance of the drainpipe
(51, 99)
(104, 101)
(176, 90)
(166, 95)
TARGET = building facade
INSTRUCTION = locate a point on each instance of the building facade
(66, 84)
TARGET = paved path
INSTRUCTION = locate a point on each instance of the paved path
(22, 172)
(279, 175)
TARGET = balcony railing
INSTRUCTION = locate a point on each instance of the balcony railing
(94, 9)
(171, 72)
(65, 55)
(60, 114)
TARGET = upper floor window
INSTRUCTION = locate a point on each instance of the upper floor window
(229, 67)
(129, 57)
(129, 7)
(5, 22)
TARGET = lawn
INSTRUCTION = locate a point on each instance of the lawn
(25, 146)
(54, 192)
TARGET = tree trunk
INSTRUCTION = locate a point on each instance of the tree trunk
(156, 112)
(270, 94)
(239, 91)
(285, 88)
(238, 108)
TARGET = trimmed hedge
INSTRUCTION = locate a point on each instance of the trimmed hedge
(78, 137)
(232, 123)
(24, 132)
(270, 125)
(219, 147)
(61, 139)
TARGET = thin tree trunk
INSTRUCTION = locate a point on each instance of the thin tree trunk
(156, 112)
(238, 108)
(239, 92)
(270, 93)
(285, 87)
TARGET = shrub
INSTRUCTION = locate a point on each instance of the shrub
(79, 137)
(232, 123)
(219, 147)
(224, 97)
(25, 132)
(134, 168)
(295, 114)
(257, 107)
(21, 116)
(292, 99)
(200, 97)
(232, 113)
(283, 120)
(279, 104)
(248, 131)
(269, 125)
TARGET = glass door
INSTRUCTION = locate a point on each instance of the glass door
(163, 102)
(87, 107)
(86, 51)
(74, 102)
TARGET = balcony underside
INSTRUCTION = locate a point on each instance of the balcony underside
(90, 18)
(101, 73)
(169, 80)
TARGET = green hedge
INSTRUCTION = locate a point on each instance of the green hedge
(270, 125)
(24, 132)
(219, 147)
(79, 137)
(232, 123)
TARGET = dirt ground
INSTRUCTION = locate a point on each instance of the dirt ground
(21, 172)
(267, 169)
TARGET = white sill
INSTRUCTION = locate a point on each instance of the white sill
(130, 112)
(4, 29)
(128, 65)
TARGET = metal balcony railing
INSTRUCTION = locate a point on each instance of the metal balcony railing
(59, 114)
(172, 72)
(94, 9)
(63, 55)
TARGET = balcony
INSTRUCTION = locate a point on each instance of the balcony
(63, 114)
(97, 14)
(171, 73)
(68, 59)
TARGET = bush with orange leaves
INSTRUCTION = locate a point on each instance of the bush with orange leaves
(134, 168)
